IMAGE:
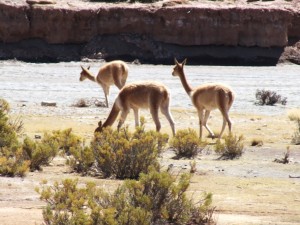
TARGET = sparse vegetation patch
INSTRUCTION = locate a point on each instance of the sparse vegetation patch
(285, 158)
(82, 103)
(267, 97)
(233, 147)
(156, 198)
(294, 115)
(124, 154)
(257, 142)
(186, 144)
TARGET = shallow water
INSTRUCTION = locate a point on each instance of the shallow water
(59, 82)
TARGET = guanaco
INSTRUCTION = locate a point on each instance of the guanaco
(114, 72)
(148, 95)
(207, 97)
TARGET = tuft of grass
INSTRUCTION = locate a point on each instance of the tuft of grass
(193, 166)
(257, 142)
(296, 136)
(233, 147)
(285, 159)
(294, 114)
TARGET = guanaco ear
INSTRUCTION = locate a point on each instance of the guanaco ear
(81, 67)
(175, 61)
(89, 67)
(184, 61)
(100, 123)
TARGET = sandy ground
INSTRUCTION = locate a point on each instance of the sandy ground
(249, 190)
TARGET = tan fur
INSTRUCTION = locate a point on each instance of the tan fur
(206, 98)
(112, 73)
(148, 95)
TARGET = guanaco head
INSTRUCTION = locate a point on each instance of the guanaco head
(99, 128)
(83, 73)
(178, 68)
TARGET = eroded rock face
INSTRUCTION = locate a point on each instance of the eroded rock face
(166, 31)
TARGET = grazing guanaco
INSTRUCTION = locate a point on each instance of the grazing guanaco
(206, 98)
(114, 72)
(148, 95)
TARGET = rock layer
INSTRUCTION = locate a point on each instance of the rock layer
(148, 32)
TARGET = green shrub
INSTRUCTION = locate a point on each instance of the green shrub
(233, 147)
(123, 154)
(157, 198)
(81, 159)
(65, 139)
(186, 143)
(40, 153)
(4, 106)
(65, 203)
(8, 136)
(12, 162)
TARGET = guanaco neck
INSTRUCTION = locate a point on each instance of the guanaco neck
(112, 116)
(89, 75)
(185, 84)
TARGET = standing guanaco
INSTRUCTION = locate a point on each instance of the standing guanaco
(114, 72)
(207, 97)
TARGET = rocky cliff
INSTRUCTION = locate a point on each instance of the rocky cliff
(207, 32)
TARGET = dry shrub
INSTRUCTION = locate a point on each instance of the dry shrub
(257, 142)
(285, 159)
(267, 97)
(81, 103)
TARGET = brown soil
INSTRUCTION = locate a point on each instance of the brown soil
(249, 190)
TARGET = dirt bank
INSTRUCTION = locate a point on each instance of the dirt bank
(228, 32)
